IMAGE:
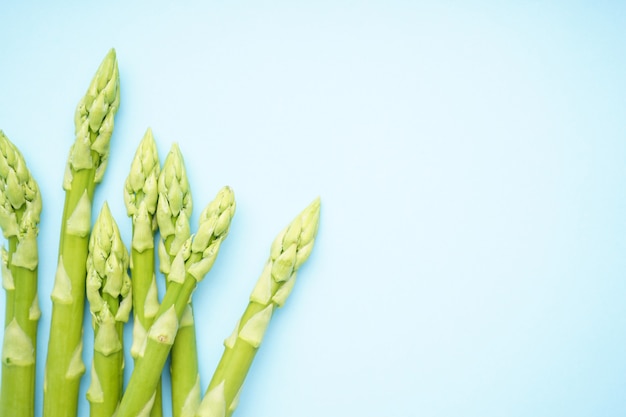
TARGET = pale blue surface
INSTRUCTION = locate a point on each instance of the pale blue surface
(470, 157)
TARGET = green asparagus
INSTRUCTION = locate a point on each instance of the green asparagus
(20, 208)
(194, 259)
(174, 209)
(290, 249)
(94, 120)
(140, 196)
(109, 293)
(95, 263)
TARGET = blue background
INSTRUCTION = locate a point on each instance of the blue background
(470, 157)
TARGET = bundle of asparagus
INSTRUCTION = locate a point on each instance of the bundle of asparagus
(93, 262)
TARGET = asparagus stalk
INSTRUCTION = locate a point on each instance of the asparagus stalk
(110, 299)
(20, 208)
(94, 120)
(290, 249)
(174, 209)
(140, 196)
(192, 262)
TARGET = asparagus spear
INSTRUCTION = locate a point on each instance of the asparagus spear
(174, 209)
(290, 249)
(140, 196)
(110, 299)
(20, 208)
(94, 120)
(192, 262)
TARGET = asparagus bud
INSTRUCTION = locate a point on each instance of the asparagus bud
(140, 193)
(174, 205)
(94, 120)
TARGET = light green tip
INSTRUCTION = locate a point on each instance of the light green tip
(213, 228)
(107, 264)
(289, 251)
(215, 219)
(174, 193)
(94, 119)
(299, 236)
(20, 199)
(141, 183)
